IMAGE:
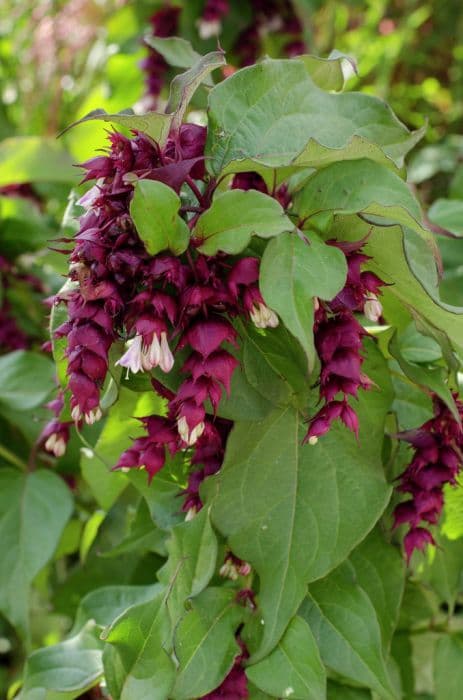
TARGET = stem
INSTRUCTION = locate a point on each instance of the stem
(12, 458)
(194, 188)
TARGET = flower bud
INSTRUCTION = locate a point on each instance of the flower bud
(372, 308)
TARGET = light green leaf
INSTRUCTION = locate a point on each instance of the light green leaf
(192, 551)
(103, 605)
(294, 668)
(34, 509)
(154, 210)
(175, 51)
(428, 377)
(35, 159)
(27, 380)
(453, 511)
(346, 628)
(416, 347)
(359, 186)
(141, 638)
(205, 644)
(444, 569)
(271, 503)
(448, 214)
(273, 114)
(329, 73)
(448, 667)
(235, 216)
(294, 271)
(66, 670)
(183, 86)
(380, 571)
(155, 125)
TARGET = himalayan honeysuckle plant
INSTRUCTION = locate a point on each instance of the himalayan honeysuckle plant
(251, 341)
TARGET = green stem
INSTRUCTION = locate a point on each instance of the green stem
(12, 458)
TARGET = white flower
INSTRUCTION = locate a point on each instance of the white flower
(56, 445)
(132, 358)
(372, 308)
(76, 414)
(184, 431)
(166, 361)
(263, 317)
(93, 416)
(206, 30)
(89, 198)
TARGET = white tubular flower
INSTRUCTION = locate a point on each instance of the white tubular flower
(56, 445)
(372, 308)
(76, 413)
(189, 437)
(207, 30)
(133, 357)
(166, 360)
(151, 354)
(93, 416)
(263, 317)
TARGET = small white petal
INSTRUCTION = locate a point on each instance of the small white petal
(60, 447)
(76, 413)
(132, 358)
(166, 361)
(51, 442)
(152, 354)
(206, 30)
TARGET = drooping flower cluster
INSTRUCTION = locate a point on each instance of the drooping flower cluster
(338, 339)
(55, 435)
(437, 459)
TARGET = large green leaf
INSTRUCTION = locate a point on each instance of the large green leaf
(141, 638)
(448, 667)
(154, 210)
(380, 571)
(27, 380)
(234, 217)
(153, 124)
(192, 552)
(292, 272)
(347, 631)
(273, 114)
(294, 668)
(34, 509)
(66, 670)
(175, 51)
(344, 692)
(275, 499)
(359, 186)
(34, 159)
(329, 73)
(205, 644)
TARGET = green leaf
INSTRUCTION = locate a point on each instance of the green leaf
(27, 380)
(155, 125)
(35, 159)
(272, 504)
(428, 377)
(416, 347)
(448, 214)
(294, 668)
(65, 670)
(154, 210)
(234, 217)
(205, 644)
(192, 552)
(175, 51)
(103, 605)
(345, 692)
(294, 271)
(183, 86)
(380, 571)
(329, 73)
(444, 569)
(273, 114)
(453, 511)
(359, 186)
(143, 536)
(141, 638)
(34, 509)
(448, 667)
(346, 628)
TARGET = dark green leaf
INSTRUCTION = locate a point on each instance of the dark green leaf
(235, 216)
(34, 509)
(27, 380)
(205, 644)
(294, 668)
(345, 692)
(448, 667)
(292, 273)
(272, 504)
(154, 210)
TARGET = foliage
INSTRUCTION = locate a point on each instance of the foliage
(256, 403)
